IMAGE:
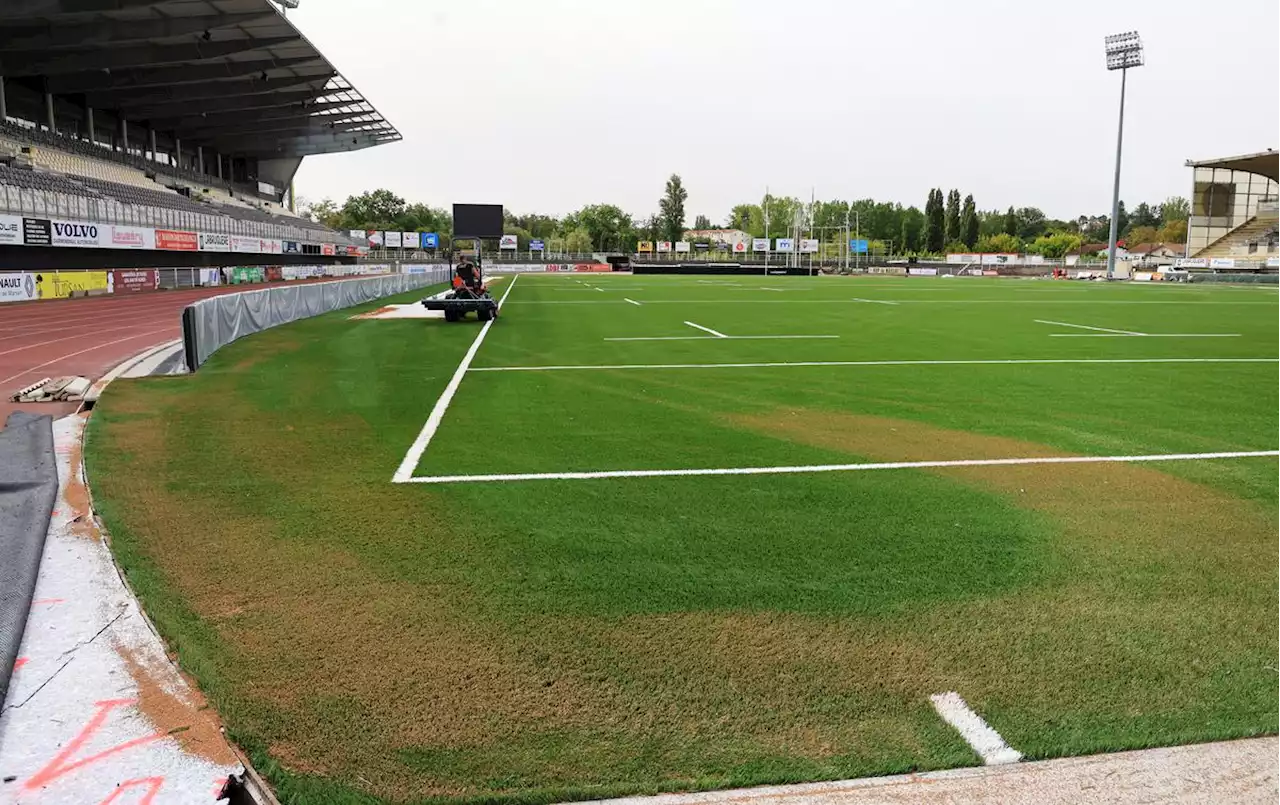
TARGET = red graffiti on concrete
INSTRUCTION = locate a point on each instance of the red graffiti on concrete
(153, 787)
(60, 765)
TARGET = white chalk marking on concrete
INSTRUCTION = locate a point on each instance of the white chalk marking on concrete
(976, 732)
(419, 446)
(777, 364)
(1087, 327)
(632, 301)
(815, 468)
(706, 330)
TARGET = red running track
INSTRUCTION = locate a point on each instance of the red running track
(86, 337)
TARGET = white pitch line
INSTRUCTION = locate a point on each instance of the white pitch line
(976, 732)
(771, 365)
(718, 338)
(632, 301)
(814, 468)
(1087, 327)
(404, 472)
(1144, 335)
(716, 333)
(873, 301)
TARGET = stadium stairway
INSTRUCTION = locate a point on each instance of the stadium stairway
(1234, 243)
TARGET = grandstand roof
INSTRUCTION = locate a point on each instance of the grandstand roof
(231, 74)
(1264, 163)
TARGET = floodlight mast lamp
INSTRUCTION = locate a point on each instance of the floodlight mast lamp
(1123, 51)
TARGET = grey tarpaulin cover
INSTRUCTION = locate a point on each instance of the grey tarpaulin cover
(28, 489)
(213, 323)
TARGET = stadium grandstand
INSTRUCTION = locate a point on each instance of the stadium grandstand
(1234, 208)
(187, 119)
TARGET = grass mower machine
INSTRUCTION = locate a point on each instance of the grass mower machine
(469, 292)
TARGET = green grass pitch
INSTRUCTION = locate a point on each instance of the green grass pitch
(540, 639)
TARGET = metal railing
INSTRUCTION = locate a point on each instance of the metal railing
(32, 202)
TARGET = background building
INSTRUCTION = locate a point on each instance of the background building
(1233, 206)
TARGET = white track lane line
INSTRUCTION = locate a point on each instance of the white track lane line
(976, 732)
(632, 301)
(706, 330)
(1087, 327)
(405, 471)
(814, 468)
(1008, 362)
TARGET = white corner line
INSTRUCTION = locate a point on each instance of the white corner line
(716, 338)
(632, 301)
(813, 468)
(785, 364)
(1087, 327)
(706, 330)
(404, 472)
(873, 301)
(1144, 335)
(975, 732)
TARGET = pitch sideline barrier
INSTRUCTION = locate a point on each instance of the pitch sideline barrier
(210, 324)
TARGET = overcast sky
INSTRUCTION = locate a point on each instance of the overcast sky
(547, 105)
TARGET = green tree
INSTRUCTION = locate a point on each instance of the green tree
(606, 224)
(952, 219)
(702, 222)
(1055, 246)
(1011, 223)
(906, 237)
(969, 222)
(1031, 223)
(934, 222)
(1122, 222)
(671, 209)
(1142, 234)
(578, 240)
(1002, 242)
(1174, 208)
(376, 209)
(1145, 215)
(1173, 232)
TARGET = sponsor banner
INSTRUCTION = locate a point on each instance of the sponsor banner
(430, 240)
(922, 272)
(10, 229)
(701, 246)
(245, 245)
(391, 240)
(357, 234)
(244, 274)
(134, 280)
(644, 246)
(1036, 259)
(37, 231)
(1222, 262)
(682, 246)
(374, 236)
(1142, 276)
(214, 242)
(759, 244)
(17, 287)
(808, 246)
(272, 246)
(410, 240)
(897, 270)
(999, 259)
(537, 246)
(508, 242)
(664, 246)
(274, 274)
(1191, 262)
(785, 245)
(592, 267)
(353, 251)
(740, 246)
(268, 189)
(132, 237)
(64, 284)
(327, 249)
(175, 241)
(990, 272)
(1273, 262)
(292, 247)
(210, 276)
(861, 246)
(70, 233)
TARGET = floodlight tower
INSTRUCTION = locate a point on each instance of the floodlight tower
(1123, 51)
